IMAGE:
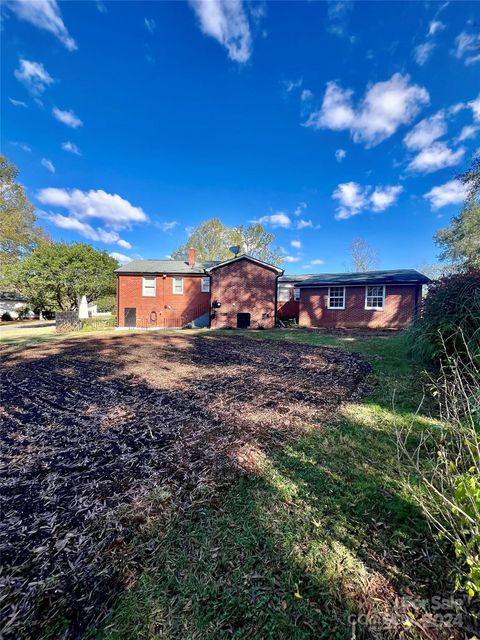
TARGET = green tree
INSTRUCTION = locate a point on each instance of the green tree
(56, 275)
(460, 241)
(212, 241)
(257, 242)
(18, 233)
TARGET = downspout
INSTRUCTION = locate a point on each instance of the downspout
(118, 300)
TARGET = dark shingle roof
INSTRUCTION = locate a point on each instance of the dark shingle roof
(181, 267)
(296, 278)
(394, 276)
(164, 266)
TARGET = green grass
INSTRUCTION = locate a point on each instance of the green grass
(325, 530)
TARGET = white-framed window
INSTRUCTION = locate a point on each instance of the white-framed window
(283, 293)
(177, 285)
(375, 297)
(149, 286)
(205, 285)
(296, 294)
(336, 297)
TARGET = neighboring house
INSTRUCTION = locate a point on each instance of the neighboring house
(245, 292)
(240, 292)
(373, 299)
(11, 302)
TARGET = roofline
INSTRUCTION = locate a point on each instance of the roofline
(160, 273)
(245, 256)
(360, 282)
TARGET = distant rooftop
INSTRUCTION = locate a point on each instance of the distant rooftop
(394, 276)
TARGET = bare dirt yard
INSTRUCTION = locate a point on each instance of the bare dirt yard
(92, 426)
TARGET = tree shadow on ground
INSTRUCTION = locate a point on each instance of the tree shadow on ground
(117, 449)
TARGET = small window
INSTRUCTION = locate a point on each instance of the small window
(149, 287)
(205, 287)
(177, 285)
(374, 297)
(296, 294)
(283, 293)
(336, 297)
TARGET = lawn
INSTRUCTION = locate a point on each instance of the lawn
(322, 530)
(242, 486)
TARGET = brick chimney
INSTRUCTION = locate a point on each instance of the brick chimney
(191, 257)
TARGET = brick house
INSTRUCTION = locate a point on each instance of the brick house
(245, 292)
(374, 299)
(240, 292)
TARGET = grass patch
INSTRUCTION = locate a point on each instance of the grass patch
(324, 530)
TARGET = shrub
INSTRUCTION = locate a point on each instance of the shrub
(447, 461)
(449, 321)
(98, 323)
(6, 317)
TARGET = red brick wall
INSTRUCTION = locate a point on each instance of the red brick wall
(400, 305)
(244, 287)
(185, 307)
(288, 308)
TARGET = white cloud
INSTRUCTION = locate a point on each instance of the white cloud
(113, 210)
(468, 132)
(296, 244)
(124, 244)
(338, 15)
(306, 95)
(475, 107)
(18, 103)
(22, 146)
(122, 258)
(279, 219)
(71, 148)
(48, 164)
(422, 52)
(353, 198)
(384, 108)
(166, 226)
(434, 27)
(465, 43)
(33, 76)
(83, 228)
(426, 132)
(304, 224)
(340, 154)
(291, 85)
(67, 117)
(150, 24)
(44, 14)
(452, 192)
(226, 21)
(384, 197)
(317, 261)
(300, 207)
(436, 157)
(101, 7)
(291, 259)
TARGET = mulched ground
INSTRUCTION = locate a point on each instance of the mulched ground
(91, 426)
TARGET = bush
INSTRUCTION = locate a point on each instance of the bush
(98, 323)
(449, 322)
(6, 317)
(447, 461)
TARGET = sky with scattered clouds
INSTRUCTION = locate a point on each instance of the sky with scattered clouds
(131, 122)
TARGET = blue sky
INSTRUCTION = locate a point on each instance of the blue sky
(131, 122)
